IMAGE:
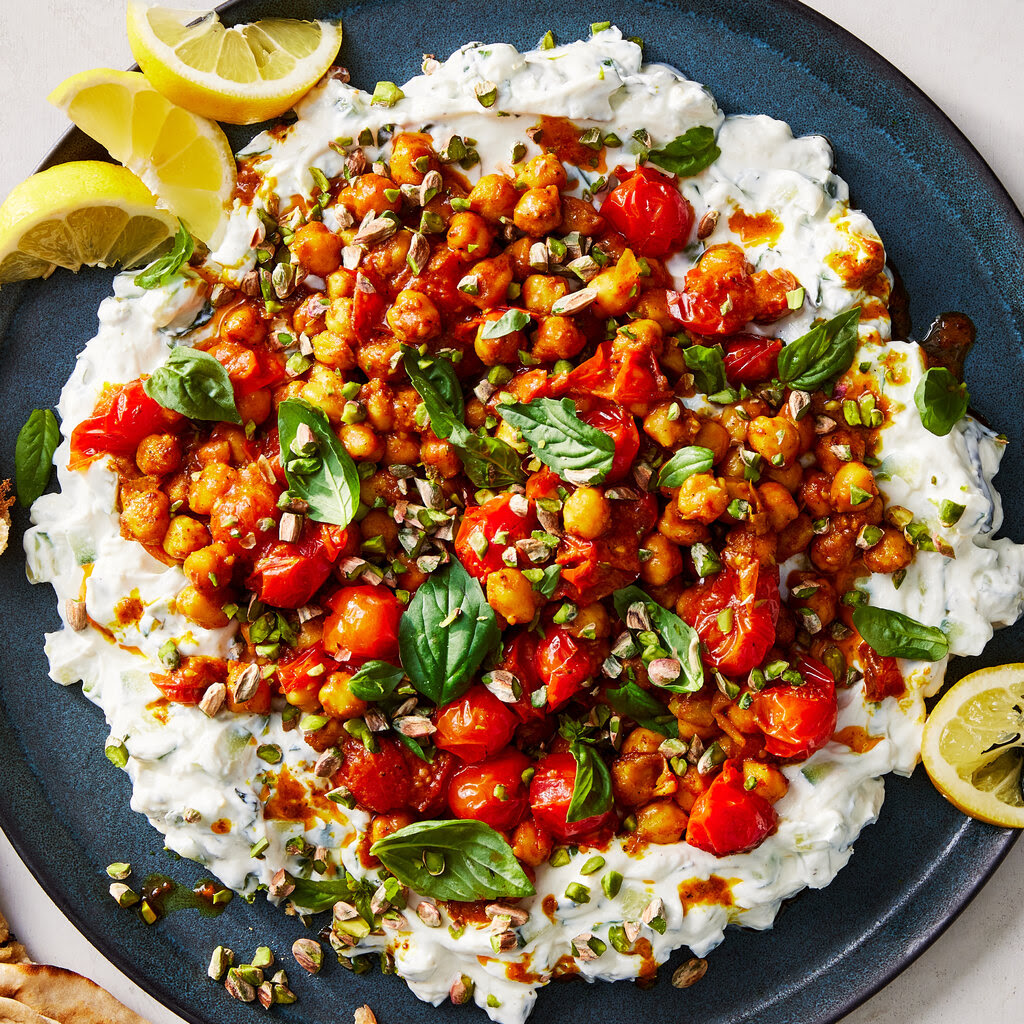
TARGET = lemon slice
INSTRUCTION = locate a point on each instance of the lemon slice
(973, 745)
(241, 75)
(82, 213)
(185, 160)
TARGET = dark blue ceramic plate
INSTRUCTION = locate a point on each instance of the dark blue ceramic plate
(952, 230)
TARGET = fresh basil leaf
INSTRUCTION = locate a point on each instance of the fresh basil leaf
(592, 786)
(707, 365)
(822, 354)
(941, 400)
(375, 680)
(893, 634)
(445, 633)
(645, 710)
(332, 489)
(415, 746)
(318, 895)
(441, 374)
(163, 270)
(511, 320)
(688, 153)
(33, 454)
(681, 642)
(577, 452)
(685, 462)
(467, 860)
(195, 384)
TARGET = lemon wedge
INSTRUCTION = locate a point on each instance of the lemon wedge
(84, 213)
(184, 159)
(973, 745)
(240, 75)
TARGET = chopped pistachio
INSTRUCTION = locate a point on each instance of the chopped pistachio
(611, 883)
(220, 960)
(125, 895)
(577, 892)
(386, 94)
(119, 870)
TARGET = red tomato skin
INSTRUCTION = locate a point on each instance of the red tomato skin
(380, 780)
(619, 425)
(648, 211)
(750, 359)
(727, 818)
(721, 280)
(487, 520)
(882, 676)
(563, 662)
(471, 792)
(429, 780)
(286, 578)
(798, 720)
(368, 305)
(363, 624)
(475, 726)
(550, 795)
(306, 670)
(520, 658)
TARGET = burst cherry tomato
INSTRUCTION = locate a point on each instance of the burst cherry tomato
(798, 720)
(477, 544)
(648, 211)
(429, 780)
(773, 289)
(750, 359)
(735, 613)
(380, 779)
(491, 791)
(719, 296)
(729, 819)
(551, 792)
(563, 662)
(187, 683)
(882, 676)
(620, 426)
(475, 726)
(306, 670)
(369, 301)
(288, 575)
(364, 623)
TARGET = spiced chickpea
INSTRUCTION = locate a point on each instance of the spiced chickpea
(836, 548)
(814, 493)
(255, 406)
(814, 594)
(702, 497)
(202, 609)
(653, 305)
(414, 318)
(892, 553)
(592, 622)
(338, 318)
(439, 454)
(789, 477)
(519, 254)
(476, 413)
(317, 248)
(362, 442)
(411, 575)
(587, 513)
(617, 287)
(543, 170)
(159, 454)
(216, 449)
(665, 560)
(390, 257)
(176, 488)
(379, 401)
(242, 324)
(493, 197)
(341, 284)
(337, 699)
(145, 514)
(470, 235)
(713, 436)
(366, 195)
(378, 523)
(401, 450)
(833, 451)
(538, 211)
(556, 338)
(680, 530)
(642, 741)
(670, 425)
(333, 350)
(380, 358)
(661, 822)
(795, 537)
(635, 777)
(778, 504)
(775, 438)
(412, 156)
(542, 291)
(531, 844)
(493, 276)
(210, 568)
(509, 593)
(745, 544)
(503, 349)
(405, 403)
(183, 536)
(323, 389)
(580, 216)
(384, 825)
(853, 487)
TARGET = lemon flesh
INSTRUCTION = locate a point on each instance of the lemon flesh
(240, 75)
(84, 213)
(973, 745)
(184, 159)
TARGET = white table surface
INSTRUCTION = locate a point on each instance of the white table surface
(974, 970)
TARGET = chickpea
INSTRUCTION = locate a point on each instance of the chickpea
(679, 530)
(661, 822)
(813, 593)
(362, 442)
(390, 257)
(509, 593)
(702, 497)
(440, 455)
(666, 560)
(542, 171)
(653, 305)
(476, 413)
(539, 211)
(412, 576)
(715, 438)
(185, 535)
(414, 318)
(542, 291)
(255, 406)
(587, 513)
(176, 488)
(159, 454)
(412, 156)
(775, 438)
(853, 487)
(580, 216)
(769, 781)
(401, 450)
(833, 451)
(381, 485)
(493, 197)
(794, 538)
(519, 253)
(835, 549)
(317, 248)
(333, 350)
(216, 449)
(210, 568)
(617, 287)
(200, 608)
(531, 844)
(670, 425)
(815, 493)
(341, 284)
(380, 358)
(635, 778)
(323, 388)
(384, 825)
(377, 523)
(379, 401)
(470, 235)
(891, 553)
(592, 622)
(145, 514)
(790, 477)
(366, 195)
(557, 338)
(404, 405)
(779, 505)
(338, 319)
(642, 741)
(746, 544)
(495, 351)
(337, 698)
(493, 276)
(242, 324)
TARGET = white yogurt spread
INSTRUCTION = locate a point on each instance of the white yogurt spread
(189, 771)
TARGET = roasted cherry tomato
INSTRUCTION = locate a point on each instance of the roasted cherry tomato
(379, 780)
(735, 613)
(249, 368)
(729, 819)
(719, 296)
(489, 529)
(882, 676)
(306, 670)
(750, 359)
(620, 426)
(369, 301)
(648, 211)
(429, 780)
(551, 792)
(798, 720)
(622, 371)
(773, 289)
(363, 624)
(491, 791)
(288, 575)
(190, 680)
(563, 662)
(475, 726)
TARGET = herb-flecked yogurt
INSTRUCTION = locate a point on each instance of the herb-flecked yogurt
(189, 771)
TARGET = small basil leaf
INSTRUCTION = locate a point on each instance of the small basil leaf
(195, 384)
(318, 895)
(684, 464)
(511, 320)
(332, 486)
(468, 861)
(163, 270)
(679, 639)
(822, 354)
(688, 153)
(33, 454)
(645, 710)
(441, 374)
(375, 680)
(577, 452)
(445, 633)
(707, 365)
(415, 746)
(592, 786)
(941, 400)
(893, 634)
